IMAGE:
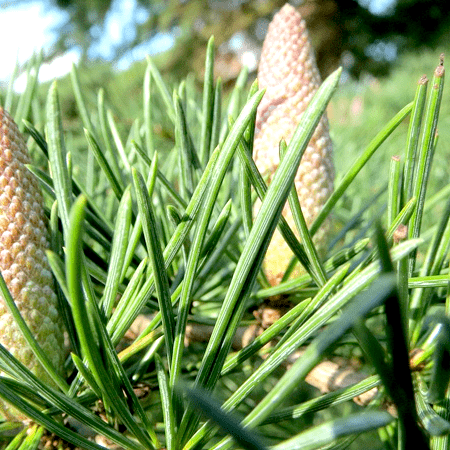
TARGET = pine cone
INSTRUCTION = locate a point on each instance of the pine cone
(289, 73)
(23, 262)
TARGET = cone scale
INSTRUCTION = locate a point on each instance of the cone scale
(288, 72)
(23, 262)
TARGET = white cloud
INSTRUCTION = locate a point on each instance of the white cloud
(58, 67)
(378, 6)
(25, 30)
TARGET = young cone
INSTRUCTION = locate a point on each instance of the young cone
(23, 262)
(289, 73)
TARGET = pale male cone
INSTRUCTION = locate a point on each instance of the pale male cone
(23, 262)
(288, 72)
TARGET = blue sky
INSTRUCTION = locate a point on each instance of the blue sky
(28, 29)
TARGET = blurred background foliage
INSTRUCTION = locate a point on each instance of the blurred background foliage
(364, 35)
